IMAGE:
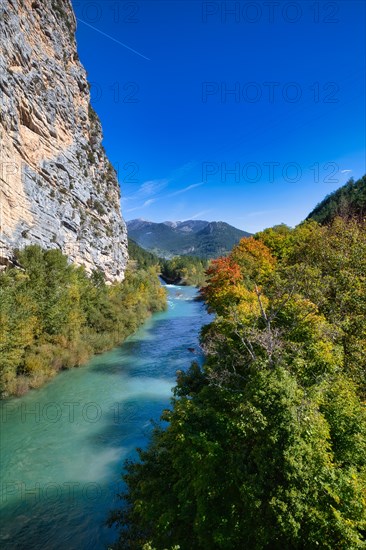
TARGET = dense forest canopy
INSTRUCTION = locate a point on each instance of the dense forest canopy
(265, 446)
(143, 258)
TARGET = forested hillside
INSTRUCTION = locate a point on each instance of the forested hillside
(180, 270)
(142, 257)
(192, 237)
(348, 201)
(186, 270)
(54, 316)
(265, 446)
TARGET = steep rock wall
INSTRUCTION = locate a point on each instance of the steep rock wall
(57, 187)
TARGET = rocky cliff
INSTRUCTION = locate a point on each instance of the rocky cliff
(57, 187)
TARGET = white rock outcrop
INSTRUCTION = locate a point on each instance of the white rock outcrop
(57, 186)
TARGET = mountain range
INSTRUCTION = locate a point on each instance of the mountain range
(191, 237)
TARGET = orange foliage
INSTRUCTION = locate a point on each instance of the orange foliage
(232, 281)
(224, 271)
(254, 259)
(224, 276)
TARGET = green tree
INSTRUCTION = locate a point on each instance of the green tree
(265, 446)
(54, 316)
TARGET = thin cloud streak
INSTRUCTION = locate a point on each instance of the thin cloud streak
(114, 39)
(153, 187)
(147, 189)
(185, 189)
(199, 214)
(145, 205)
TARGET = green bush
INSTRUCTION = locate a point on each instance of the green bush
(53, 316)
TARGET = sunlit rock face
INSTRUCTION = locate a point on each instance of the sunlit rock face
(57, 186)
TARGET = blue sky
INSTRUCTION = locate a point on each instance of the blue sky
(245, 112)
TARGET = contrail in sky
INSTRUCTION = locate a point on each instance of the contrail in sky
(114, 39)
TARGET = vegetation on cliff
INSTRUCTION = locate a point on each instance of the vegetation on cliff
(53, 316)
(265, 446)
(63, 190)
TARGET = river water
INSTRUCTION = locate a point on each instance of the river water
(63, 446)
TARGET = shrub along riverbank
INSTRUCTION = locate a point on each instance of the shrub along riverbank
(54, 316)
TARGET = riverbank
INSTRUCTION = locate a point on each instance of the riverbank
(63, 446)
(176, 281)
(54, 317)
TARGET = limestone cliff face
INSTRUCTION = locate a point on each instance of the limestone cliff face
(57, 187)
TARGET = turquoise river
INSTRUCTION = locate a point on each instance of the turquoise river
(63, 446)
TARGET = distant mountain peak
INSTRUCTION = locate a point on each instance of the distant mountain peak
(171, 224)
(190, 237)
